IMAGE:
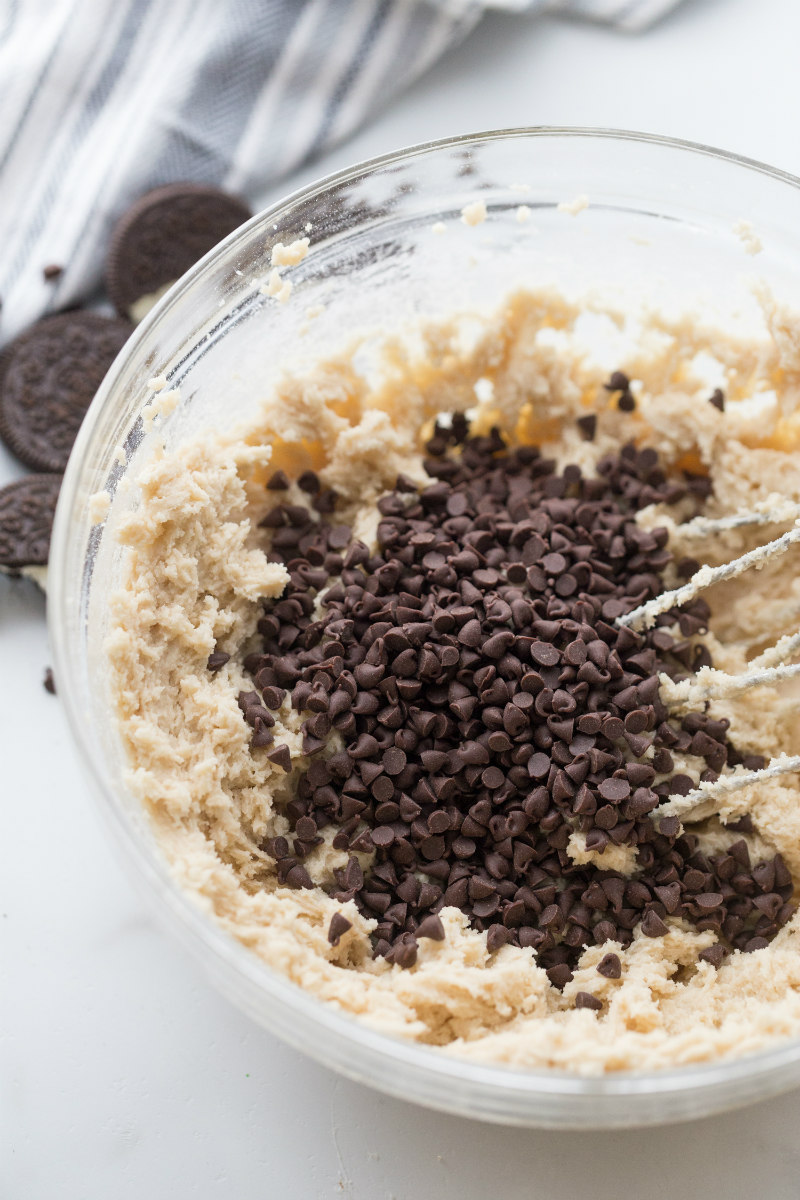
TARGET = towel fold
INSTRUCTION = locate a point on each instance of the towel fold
(103, 99)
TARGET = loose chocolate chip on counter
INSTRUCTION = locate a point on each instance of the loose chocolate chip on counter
(52, 272)
(339, 925)
(49, 682)
(468, 705)
(48, 377)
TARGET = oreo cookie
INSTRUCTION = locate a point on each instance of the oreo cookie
(27, 507)
(164, 234)
(48, 378)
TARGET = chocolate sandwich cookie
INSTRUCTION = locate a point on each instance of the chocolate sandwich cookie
(48, 378)
(27, 507)
(164, 234)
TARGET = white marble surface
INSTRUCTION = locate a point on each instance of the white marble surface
(122, 1073)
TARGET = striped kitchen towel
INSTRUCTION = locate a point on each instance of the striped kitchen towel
(103, 99)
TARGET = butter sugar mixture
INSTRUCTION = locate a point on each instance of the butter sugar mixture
(378, 702)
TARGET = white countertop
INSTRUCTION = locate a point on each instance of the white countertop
(121, 1072)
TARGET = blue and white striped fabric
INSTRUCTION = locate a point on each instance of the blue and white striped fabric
(102, 99)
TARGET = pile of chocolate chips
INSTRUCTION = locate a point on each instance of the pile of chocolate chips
(488, 707)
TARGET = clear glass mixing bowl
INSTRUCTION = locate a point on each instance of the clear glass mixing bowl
(658, 229)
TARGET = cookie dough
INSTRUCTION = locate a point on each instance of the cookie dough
(194, 571)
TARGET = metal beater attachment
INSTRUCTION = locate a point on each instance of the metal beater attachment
(644, 616)
(708, 798)
(710, 684)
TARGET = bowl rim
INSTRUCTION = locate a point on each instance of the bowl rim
(497, 1080)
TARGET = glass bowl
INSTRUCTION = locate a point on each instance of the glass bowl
(659, 229)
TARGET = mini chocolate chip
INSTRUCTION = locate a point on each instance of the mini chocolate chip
(713, 954)
(559, 975)
(404, 953)
(492, 778)
(496, 936)
(544, 653)
(278, 481)
(610, 966)
(431, 927)
(587, 1000)
(614, 790)
(588, 426)
(394, 760)
(298, 877)
(653, 926)
(339, 925)
(470, 634)
(309, 482)
(262, 735)
(618, 382)
(217, 659)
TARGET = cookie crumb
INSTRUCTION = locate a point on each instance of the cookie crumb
(748, 237)
(280, 289)
(474, 214)
(573, 207)
(291, 255)
(99, 504)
